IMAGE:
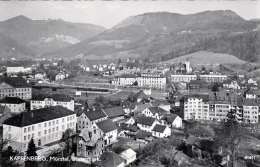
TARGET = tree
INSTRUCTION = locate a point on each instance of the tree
(68, 143)
(31, 152)
(5, 155)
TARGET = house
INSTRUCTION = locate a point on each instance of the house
(128, 155)
(4, 114)
(127, 130)
(88, 118)
(46, 100)
(172, 120)
(60, 76)
(115, 113)
(15, 104)
(90, 144)
(130, 121)
(146, 123)
(45, 126)
(111, 159)
(155, 112)
(231, 84)
(140, 96)
(161, 131)
(144, 136)
(197, 84)
(15, 87)
(109, 129)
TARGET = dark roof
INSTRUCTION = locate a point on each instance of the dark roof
(157, 110)
(141, 95)
(159, 128)
(17, 82)
(250, 102)
(169, 118)
(107, 125)
(145, 120)
(95, 114)
(114, 112)
(143, 134)
(132, 128)
(110, 159)
(12, 100)
(55, 97)
(37, 116)
(204, 97)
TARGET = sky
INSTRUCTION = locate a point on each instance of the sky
(109, 13)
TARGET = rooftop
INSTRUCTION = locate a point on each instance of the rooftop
(114, 112)
(107, 125)
(12, 100)
(55, 97)
(111, 159)
(159, 128)
(38, 116)
(16, 82)
(95, 114)
(145, 120)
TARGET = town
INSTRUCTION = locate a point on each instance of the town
(127, 113)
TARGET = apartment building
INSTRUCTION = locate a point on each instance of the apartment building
(15, 87)
(15, 105)
(44, 100)
(250, 111)
(155, 81)
(196, 107)
(44, 125)
(183, 78)
(209, 78)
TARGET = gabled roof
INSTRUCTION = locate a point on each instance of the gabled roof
(127, 154)
(38, 116)
(157, 110)
(110, 159)
(55, 97)
(12, 100)
(143, 134)
(95, 114)
(169, 118)
(159, 128)
(145, 120)
(16, 82)
(114, 112)
(107, 125)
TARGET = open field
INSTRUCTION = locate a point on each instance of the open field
(207, 58)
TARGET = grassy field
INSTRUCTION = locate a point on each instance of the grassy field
(207, 58)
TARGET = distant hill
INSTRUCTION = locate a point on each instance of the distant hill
(206, 58)
(47, 35)
(162, 36)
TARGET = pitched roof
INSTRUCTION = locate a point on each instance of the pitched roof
(143, 134)
(12, 100)
(114, 112)
(169, 118)
(128, 153)
(38, 116)
(55, 97)
(145, 120)
(107, 125)
(159, 128)
(157, 110)
(111, 159)
(17, 82)
(95, 114)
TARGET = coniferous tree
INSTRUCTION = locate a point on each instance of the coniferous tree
(31, 152)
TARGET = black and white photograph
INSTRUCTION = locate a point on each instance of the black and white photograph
(138, 83)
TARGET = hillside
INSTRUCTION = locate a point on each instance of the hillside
(205, 58)
(47, 35)
(160, 36)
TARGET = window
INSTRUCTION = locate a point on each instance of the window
(45, 131)
(39, 134)
(29, 129)
(24, 138)
(45, 124)
(24, 130)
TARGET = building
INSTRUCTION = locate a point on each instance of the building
(231, 84)
(110, 131)
(212, 78)
(115, 113)
(196, 107)
(15, 87)
(183, 78)
(15, 104)
(46, 100)
(161, 131)
(88, 118)
(17, 69)
(111, 159)
(250, 111)
(155, 81)
(172, 120)
(155, 112)
(90, 144)
(129, 155)
(146, 123)
(45, 126)
(219, 110)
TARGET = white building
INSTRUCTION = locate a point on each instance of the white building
(44, 125)
(15, 87)
(161, 131)
(15, 104)
(128, 155)
(110, 131)
(146, 123)
(219, 110)
(42, 101)
(16, 70)
(211, 78)
(250, 111)
(196, 107)
(183, 78)
(172, 120)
